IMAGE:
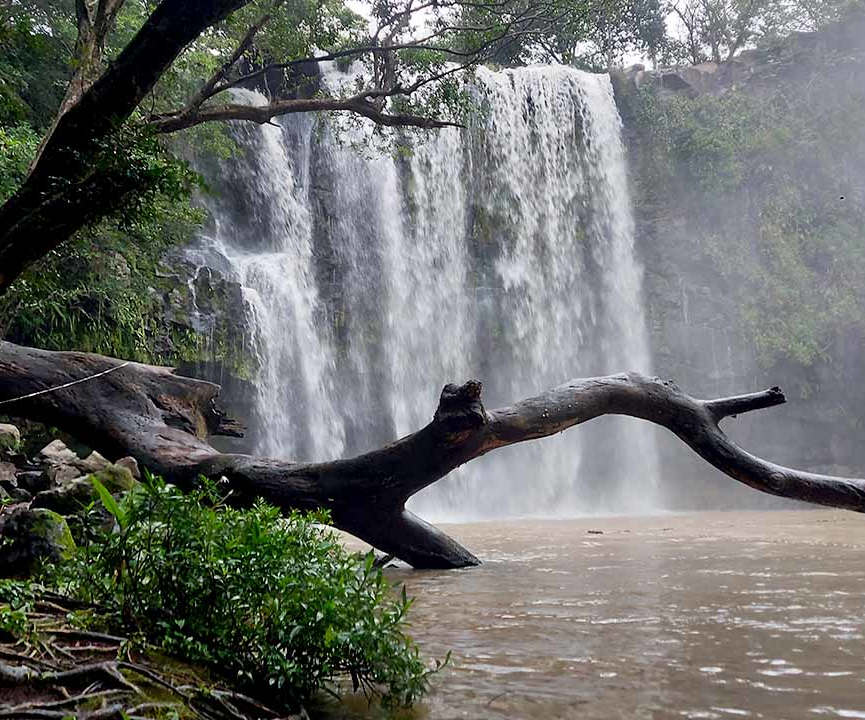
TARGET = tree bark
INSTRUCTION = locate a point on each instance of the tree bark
(64, 191)
(163, 420)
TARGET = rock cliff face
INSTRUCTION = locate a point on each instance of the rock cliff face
(759, 70)
(748, 181)
(206, 307)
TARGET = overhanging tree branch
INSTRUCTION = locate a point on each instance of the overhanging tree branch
(207, 90)
(163, 420)
(358, 104)
(66, 187)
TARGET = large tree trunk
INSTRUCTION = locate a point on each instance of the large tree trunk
(65, 189)
(163, 420)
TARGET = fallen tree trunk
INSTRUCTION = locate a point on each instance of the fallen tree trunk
(163, 420)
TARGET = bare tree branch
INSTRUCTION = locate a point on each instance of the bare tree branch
(163, 421)
(359, 104)
(207, 90)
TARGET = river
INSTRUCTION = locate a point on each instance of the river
(704, 615)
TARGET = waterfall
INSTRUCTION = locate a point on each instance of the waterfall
(504, 252)
(263, 233)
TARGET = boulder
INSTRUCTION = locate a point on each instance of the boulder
(68, 499)
(10, 437)
(63, 464)
(33, 481)
(9, 484)
(7, 475)
(94, 462)
(56, 453)
(60, 474)
(131, 464)
(18, 494)
(116, 478)
(32, 536)
(74, 495)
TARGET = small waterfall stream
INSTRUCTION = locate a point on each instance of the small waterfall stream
(504, 252)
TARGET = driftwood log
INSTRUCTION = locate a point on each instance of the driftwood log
(164, 420)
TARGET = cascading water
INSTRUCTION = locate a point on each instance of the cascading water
(263, 233)
(503, 253)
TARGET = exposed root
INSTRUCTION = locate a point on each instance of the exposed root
(42, 679)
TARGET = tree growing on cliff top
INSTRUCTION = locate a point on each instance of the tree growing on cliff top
(718, 29)
(141, 71)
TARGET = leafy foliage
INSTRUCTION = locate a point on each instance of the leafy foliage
(34, 61)
(18, 145)
(771, 186)
(717, 29)
(592, 34)
(100, 292)
(16, 601)
(275, 602)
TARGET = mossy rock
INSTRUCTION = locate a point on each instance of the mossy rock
(68, 499)
(74, 495)
(115, 478)
(10, 438)
(30, 536)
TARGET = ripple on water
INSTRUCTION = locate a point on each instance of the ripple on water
(627, 628)
(838, 712)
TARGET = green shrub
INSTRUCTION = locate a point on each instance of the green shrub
(276, 603)
(18, 145)
(16, 601)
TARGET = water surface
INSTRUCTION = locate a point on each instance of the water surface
(708, 615)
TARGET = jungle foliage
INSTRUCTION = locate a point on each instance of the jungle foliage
(715, 30)
(101, 291)
(770, 186)
(276, 604)
(762, 174)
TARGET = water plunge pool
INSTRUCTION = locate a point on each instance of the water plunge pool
(703, 615)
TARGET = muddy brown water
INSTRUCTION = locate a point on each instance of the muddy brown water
(707, 615)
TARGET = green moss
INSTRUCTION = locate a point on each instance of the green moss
(51, 528)
(30, 537)
(10, 439)
(115, 478)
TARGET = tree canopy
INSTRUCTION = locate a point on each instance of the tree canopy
(104, 82)
(134, 71)
(717, 29)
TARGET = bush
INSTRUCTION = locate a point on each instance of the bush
(276, 603)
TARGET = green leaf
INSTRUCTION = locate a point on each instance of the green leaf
(109, 502)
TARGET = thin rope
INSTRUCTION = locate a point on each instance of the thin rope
(66, 385)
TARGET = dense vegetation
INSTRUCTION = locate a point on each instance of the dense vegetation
(105, 290)
(101, 292)
(769, 182)
(277, 605)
